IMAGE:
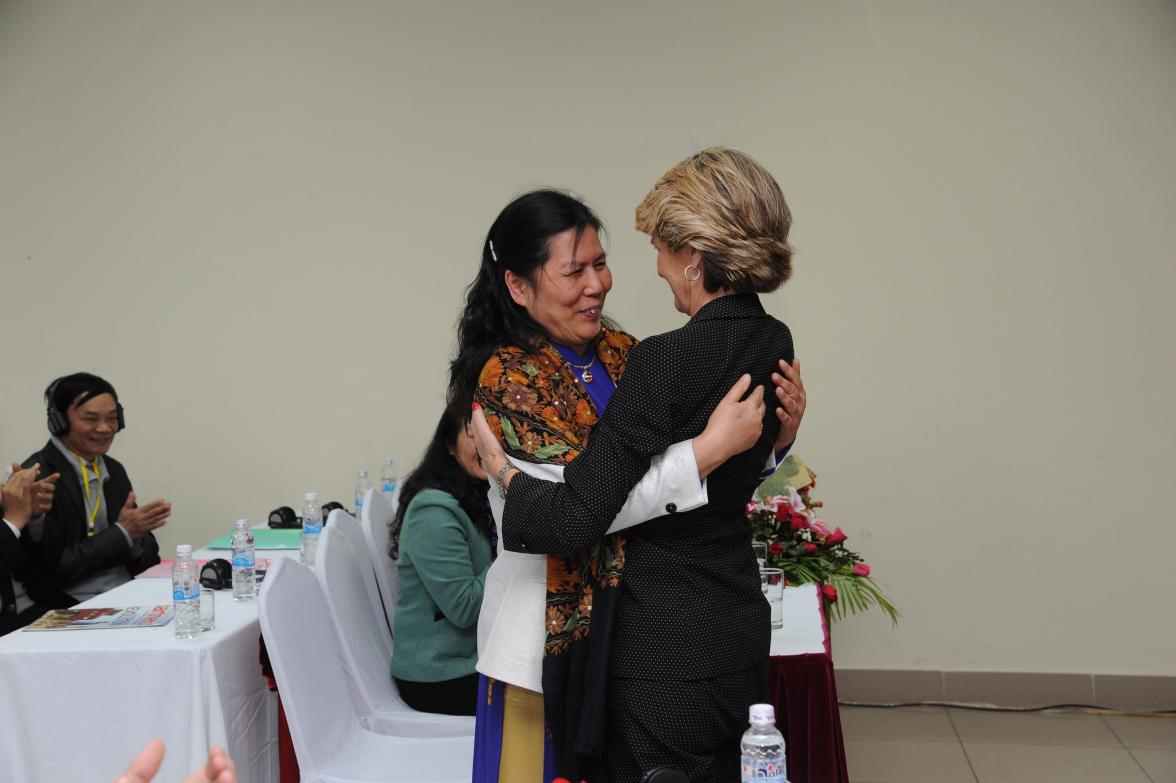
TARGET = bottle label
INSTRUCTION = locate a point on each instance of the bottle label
(184, 591)
(763, 771)
(243, 560)
(388, 487)
(312, 528)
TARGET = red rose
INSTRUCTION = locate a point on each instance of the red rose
(861, 569)
(836, 537)
(810, 549)
(830, 593)
(798, 521)
(783, 512)
(775, 547)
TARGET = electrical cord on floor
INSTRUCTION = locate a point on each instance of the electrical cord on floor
(1089, 709)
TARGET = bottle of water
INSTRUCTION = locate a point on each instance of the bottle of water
(762, 747)
(362, 485)
(244, 564)
(388, 480)
(312, 527)
(186, 594)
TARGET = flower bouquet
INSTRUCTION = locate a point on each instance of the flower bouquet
(783, 516)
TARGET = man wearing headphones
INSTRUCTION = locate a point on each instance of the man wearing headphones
(94, 537)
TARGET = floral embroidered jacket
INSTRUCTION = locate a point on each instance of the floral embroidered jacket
(541, 413)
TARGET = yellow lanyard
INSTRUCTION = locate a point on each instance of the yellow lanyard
(93, 513)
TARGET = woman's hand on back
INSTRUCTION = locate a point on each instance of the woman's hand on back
(733, 427)
(790, 393)
(490, 451)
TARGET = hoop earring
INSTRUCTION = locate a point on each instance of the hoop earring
(686, 273)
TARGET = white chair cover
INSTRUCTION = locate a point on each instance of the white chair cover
(374, 521)
(346, 524)
(365, 661)
(331, 744)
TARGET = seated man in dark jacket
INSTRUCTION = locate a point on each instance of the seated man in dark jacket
(21, 497)
(94, 537)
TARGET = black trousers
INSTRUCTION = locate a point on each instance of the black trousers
(448, 697)
(693, 725)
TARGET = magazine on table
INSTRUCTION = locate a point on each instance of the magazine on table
(102, 617)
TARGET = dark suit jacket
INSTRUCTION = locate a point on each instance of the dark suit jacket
(691, 605)
(65, 553)
(11, 553)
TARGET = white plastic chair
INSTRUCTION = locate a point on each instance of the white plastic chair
(329, 741)
(346, 524)
(374, 521)
(366, 663)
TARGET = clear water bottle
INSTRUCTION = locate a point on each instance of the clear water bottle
(244, 564)
(762, 747)
(312, 527)
(388, 480)
(362, 485)
(186, 594)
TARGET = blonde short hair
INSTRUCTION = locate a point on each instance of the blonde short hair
(726, 206)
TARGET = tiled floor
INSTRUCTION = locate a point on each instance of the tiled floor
(938, 745)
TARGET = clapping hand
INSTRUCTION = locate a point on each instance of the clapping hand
(43, 490)
(140, 521)
(218, 769)
(16, 495)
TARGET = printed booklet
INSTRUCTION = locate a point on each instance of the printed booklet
(102, 617)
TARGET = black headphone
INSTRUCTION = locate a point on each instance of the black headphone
(59, 421)
(283, 517)
(217, 574)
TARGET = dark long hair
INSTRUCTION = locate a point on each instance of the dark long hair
(491, 318)
(439, 469)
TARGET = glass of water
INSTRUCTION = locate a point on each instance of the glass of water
(761, 552)
(772, 583)
(207, 609)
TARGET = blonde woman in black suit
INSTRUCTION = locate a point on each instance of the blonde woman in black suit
(691, 644)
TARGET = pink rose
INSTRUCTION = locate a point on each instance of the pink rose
(820, 528)
(752, 507)
(830, 593)
(861, 569)
(810, 549)
(836, 537)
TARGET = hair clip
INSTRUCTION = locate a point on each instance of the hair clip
(492, 253)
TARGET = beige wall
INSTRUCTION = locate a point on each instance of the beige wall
(257, 219)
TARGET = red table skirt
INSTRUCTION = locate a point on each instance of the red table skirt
(804, 693)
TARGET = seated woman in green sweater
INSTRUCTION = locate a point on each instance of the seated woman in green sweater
(441, 541)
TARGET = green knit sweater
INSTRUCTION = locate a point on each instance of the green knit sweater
(442, 564)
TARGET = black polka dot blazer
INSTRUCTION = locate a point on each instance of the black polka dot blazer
(691, 605)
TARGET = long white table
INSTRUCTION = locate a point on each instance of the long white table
(77, 705)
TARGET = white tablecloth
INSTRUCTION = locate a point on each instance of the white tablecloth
(78, 705)
(804, 624)
(75, 706)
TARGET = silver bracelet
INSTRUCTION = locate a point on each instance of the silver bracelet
(500, 479)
